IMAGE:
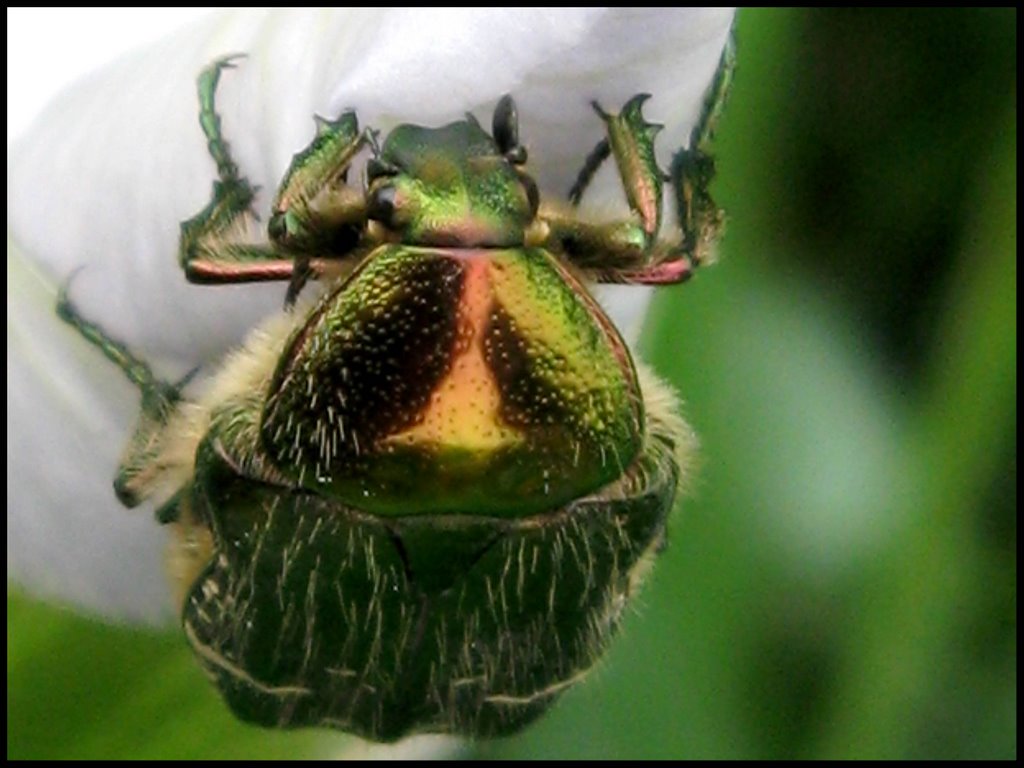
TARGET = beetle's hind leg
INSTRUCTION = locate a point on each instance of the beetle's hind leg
(160, 399)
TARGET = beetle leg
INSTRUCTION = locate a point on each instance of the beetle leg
(317, 219)
(227, 170)
(610, 249)
(663, 266)
(218, 245)
(592, 245)
(315, 210)
(700, 219)
(614, 252)
(631, 143)
(160, 400)
(594, 161)
(628, 251)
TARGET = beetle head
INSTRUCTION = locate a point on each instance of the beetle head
(456, 185)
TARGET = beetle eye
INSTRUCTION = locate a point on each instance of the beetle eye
(375, 168)
(380, 204)
(505, 125)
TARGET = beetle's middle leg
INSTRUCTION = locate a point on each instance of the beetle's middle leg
(317, 219)
(219, 244)
(700, 218)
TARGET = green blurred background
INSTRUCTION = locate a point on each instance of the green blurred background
(841, 580)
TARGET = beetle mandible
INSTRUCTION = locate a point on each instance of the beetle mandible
(421, 502)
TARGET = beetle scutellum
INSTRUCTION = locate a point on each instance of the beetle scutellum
(422, 501)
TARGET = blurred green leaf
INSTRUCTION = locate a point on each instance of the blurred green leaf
(918, 598)
(80, 689)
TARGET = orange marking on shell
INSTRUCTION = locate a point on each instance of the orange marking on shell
(465, 408)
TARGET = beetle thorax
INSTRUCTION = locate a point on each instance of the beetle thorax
(455, 380)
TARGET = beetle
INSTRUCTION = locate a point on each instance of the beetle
(421, 501)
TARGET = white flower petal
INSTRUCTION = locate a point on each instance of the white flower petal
(109, 170)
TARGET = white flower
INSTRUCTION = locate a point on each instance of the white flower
(111, 167)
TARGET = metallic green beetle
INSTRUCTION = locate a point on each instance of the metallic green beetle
(421, 501)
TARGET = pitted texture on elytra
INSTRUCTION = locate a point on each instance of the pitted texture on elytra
(362, 366)
(313, 613)
(555, 364)
(469, 381)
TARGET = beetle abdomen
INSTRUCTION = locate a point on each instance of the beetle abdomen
(461, 381)
(314, 613)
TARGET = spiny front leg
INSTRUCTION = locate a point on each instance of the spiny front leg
(316, 214)
(631, 141)
(314, 209)
(627, 250)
